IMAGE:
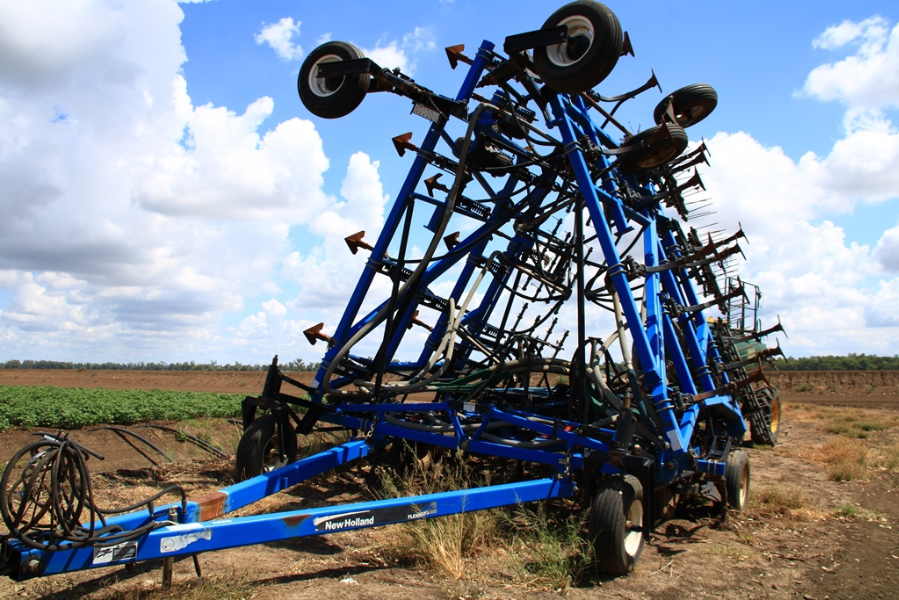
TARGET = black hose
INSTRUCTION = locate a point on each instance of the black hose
(45, 503)
(195, 439)
(122, 432)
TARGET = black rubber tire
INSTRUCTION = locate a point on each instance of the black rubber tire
(591, 52)
(257, 451)
(616, 524)
(736, 480)
(692, 104)
(764, 427)
(657, 153)
(334, 97)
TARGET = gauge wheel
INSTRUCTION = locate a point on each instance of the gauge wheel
(691, 105)
(616, 524)
(258, 450)
(591, 52)
(650, 150)
(331, 97)
(736, 480)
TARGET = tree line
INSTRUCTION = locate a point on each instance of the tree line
(851, 362)
(297, 364)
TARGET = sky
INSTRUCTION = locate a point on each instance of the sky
(164, 195)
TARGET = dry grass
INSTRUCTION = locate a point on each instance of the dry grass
(844, 421)
(782, 502)
(445, 544)
(730, 551)
(844, 459)
(868, 440)
(537, 545)
(549, 548)
(853, 512)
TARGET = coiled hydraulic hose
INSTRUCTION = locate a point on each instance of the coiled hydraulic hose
(46, 503)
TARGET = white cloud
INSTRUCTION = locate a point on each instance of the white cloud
(227, 170)
(886, 252)
(881, 312)
(133, 221)
(324, 272)
(826, 289)
(811, 276)
(867, 80)
(402, 54)
(280, 37)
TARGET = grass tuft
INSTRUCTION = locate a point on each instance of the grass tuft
(552, 550)
(853, 512)
(729, 550)
(443, 544)
(844, 459)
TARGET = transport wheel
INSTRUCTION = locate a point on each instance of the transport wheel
(257, 451)
(412, 457)
(692, 104)
(763, 429)
(332, 97)
(616, 524)
(591, 52)
(654, 153)
(736, 480)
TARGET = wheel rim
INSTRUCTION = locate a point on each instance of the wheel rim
(775, 415)
(580, 39)
(321, 86)
(744, 485)
(271, 457)
(691, 115)
(653, 157)
(634, 528)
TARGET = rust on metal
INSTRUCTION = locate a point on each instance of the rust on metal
(355, 242)
(212, 505)
(451, 240)
(455, 56)
(419, 322)
(294, 520)
(314, 334)
(402, 143)
(432, 183)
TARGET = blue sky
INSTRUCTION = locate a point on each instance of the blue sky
(167, 197)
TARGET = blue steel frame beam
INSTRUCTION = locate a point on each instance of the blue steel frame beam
(195, 537)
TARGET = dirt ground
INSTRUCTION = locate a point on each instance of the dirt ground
(804, 535)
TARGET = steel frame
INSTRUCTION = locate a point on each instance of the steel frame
(671, 419)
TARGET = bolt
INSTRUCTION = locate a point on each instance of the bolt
(32, 565)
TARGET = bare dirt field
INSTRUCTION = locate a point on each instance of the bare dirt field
(823, 519)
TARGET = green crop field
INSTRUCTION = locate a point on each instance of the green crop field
(70, 408)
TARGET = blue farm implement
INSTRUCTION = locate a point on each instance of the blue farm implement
(527, 204)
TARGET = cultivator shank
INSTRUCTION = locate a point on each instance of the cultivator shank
(545, 304)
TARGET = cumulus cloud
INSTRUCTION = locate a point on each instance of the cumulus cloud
(323, 272)
(811, 275)
(866, 80)
(226, 169)
(135, 224)
(881, 312)
(402, 53)
(886, 252)
(280, 37)
(134, 221)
